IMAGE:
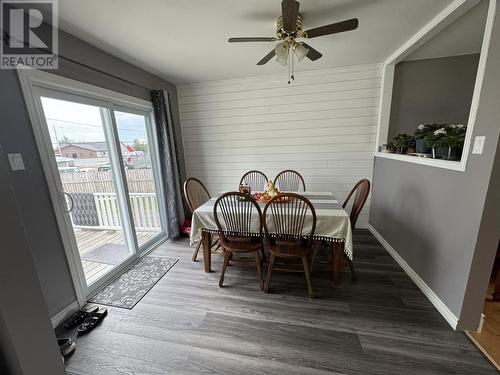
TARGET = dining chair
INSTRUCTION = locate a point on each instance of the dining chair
(255, 179)
(360, 192)
(289, 180)
(289, 225)
(238, 231)
(195, 194)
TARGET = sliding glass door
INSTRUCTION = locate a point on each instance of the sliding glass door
(135, 136)
(104, 162)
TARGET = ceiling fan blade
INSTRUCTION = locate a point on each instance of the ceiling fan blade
(266, 58)
(290, 12)
(333, 28)
(253, 39)
(312, 54)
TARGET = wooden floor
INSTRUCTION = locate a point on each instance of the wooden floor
(89, 239)
(380, 324)
(489, 338)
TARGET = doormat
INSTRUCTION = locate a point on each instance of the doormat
(135, 283)
(108, 253)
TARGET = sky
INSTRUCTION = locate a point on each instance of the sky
(82, 123)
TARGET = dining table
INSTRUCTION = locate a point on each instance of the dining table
(333, 228)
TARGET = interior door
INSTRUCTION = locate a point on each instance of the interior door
(88, 162)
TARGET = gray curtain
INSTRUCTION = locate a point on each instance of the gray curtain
(166, 140)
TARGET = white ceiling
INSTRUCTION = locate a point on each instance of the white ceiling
(186, 40)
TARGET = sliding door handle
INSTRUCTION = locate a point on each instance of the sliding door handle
(70, 203)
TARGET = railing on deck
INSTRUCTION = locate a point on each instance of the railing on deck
(144, 211)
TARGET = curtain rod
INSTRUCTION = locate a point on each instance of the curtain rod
(103, 72)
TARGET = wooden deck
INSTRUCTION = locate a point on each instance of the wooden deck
(89, 239)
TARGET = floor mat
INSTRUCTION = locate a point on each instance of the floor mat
(135, 283)
(108, 253)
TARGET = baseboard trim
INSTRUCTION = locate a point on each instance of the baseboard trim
(428, 292)
(62, 315)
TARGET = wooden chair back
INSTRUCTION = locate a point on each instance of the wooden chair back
(195, 193)
(255, 179)
(361, 190)
(233, 214)
(285, 225)
(289, 180)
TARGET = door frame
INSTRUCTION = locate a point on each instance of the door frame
(30, 80)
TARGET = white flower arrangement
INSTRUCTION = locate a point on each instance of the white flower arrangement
(440, 131)
(421, 127)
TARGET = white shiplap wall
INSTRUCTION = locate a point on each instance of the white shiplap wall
(323, 125)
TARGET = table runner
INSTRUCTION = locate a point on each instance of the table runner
(332, 221)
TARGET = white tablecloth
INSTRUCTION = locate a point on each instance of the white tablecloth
(332, 221)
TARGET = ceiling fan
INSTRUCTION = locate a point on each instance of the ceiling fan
(288, 30)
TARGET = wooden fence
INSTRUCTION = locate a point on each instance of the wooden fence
(138, 181)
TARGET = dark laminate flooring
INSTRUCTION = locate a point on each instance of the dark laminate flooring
(380, 324)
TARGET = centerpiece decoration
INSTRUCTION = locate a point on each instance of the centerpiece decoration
(271, 192)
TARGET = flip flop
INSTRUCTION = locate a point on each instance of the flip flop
(80, 316)
(88, 325)
(100, 313)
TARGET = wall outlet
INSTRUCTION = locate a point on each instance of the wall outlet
(16, 162)
(478, 145)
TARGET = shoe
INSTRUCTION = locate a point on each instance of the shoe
(66, 346)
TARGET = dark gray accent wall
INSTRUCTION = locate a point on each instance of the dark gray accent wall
(440, 221)
(31, 188)
(27, 341)
(432, 91)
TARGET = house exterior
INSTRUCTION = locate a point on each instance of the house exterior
(87, 150)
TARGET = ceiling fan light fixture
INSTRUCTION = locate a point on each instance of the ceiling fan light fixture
(282, 50)
(300, 51)
(282, 61)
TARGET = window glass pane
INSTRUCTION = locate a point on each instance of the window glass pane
(135, 148)
(81, 151)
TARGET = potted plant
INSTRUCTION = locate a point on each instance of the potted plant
(421, 133)
(447, 142)
(402, 142)
(411, 144)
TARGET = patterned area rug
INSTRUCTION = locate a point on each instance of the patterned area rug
(131, 286)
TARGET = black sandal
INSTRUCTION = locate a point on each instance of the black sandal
(79, 316)
(88, 325)
(100, 313)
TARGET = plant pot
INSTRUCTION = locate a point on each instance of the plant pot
(401, 150)
(422, 147)
(453, 153)
(439, 152)
(384, 148)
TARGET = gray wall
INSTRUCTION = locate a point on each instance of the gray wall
(30, 185)
(432, 91)
(440, 221)
(27, 341)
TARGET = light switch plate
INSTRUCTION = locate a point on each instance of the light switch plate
(478, 145)
(16, 162)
